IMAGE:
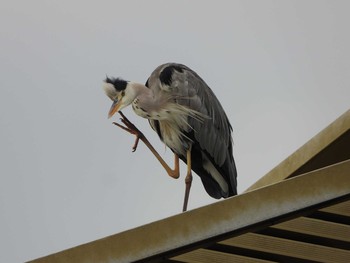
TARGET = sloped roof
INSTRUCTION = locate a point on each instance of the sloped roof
(298, 212)
(331, 145)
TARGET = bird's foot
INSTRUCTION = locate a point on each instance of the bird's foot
(131, 128)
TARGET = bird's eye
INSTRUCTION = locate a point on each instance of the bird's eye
(123, 93)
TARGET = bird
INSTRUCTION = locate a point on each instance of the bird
(188, 118)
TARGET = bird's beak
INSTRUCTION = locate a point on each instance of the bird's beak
(114, 108)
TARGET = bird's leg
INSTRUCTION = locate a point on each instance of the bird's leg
(131, 128)
(188, 180)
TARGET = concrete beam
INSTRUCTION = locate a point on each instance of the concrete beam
(188, 230)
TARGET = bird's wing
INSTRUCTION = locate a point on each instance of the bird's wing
(212, 133)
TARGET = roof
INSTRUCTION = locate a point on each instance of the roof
(298, 212)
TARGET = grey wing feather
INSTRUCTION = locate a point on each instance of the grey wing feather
(213, 133)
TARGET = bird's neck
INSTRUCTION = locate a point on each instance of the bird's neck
(145, 103)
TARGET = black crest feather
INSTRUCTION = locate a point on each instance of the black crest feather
(118, 83)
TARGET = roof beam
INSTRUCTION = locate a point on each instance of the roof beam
(232, 216)
(329, 146)
(288, 248)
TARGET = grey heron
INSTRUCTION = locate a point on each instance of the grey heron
(188, 118)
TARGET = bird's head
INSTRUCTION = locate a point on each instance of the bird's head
(120, 92)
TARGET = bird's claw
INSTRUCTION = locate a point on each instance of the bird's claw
(136, 143)
(131, 128)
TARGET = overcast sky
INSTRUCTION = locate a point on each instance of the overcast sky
(67, 175)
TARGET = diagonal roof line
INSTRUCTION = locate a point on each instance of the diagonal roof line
(301, 160)
(213, 222)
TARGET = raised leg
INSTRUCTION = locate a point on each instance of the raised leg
(188, 180)
(131, 128)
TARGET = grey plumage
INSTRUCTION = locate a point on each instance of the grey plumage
(208, 131)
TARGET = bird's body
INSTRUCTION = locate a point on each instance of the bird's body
(188, 118)
(204, 126)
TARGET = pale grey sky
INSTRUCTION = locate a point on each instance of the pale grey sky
(280, 68)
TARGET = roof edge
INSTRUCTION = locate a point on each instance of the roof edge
(306, 152)
(212, 222)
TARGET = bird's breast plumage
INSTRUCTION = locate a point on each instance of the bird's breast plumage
(139, 110)
(173, 137)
